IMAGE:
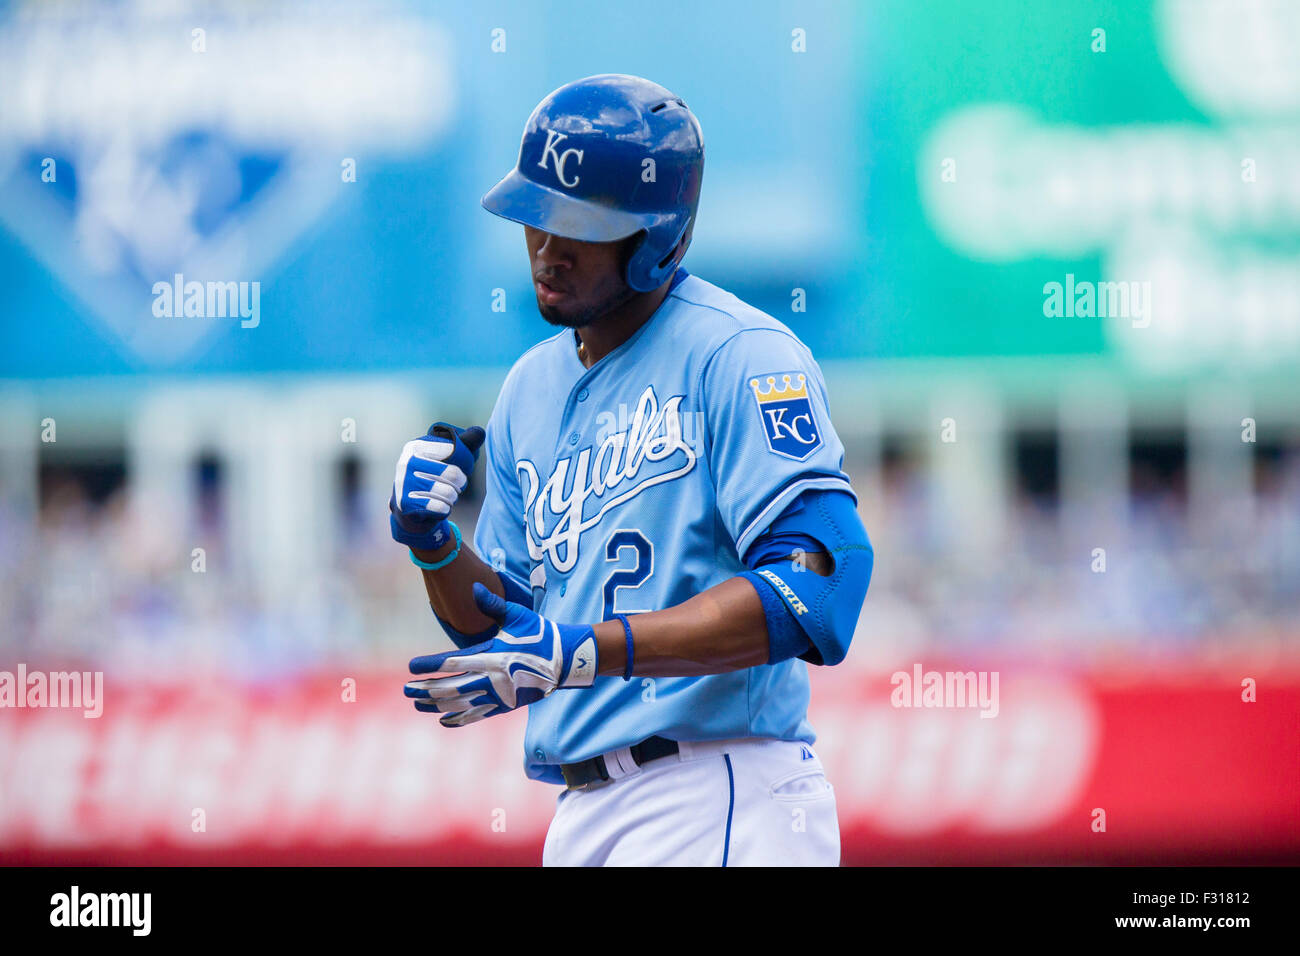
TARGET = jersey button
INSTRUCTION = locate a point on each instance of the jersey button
(539, 754)
(582, 395)
(573, 439)
(562, 589)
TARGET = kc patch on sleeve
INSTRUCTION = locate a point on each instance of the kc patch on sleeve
(787, 413)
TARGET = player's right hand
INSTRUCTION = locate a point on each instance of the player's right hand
(528, 658)
(431, 474)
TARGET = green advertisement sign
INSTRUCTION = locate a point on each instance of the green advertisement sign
(1077, 178)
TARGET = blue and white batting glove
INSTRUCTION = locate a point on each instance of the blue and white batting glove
(528, 659)
(431, 474)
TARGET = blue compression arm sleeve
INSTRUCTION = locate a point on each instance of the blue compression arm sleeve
(824, 610)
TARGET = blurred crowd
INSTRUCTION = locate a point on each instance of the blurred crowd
(95, 583)
(1154, 581)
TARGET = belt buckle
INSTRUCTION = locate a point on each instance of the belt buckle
(578, 786)
(588, 784)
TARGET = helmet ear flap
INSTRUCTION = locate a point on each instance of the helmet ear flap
(632, 247)
(648, 276)
(680, 244)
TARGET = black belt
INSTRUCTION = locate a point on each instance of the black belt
(584, 773)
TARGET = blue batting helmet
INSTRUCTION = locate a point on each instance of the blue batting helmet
(606, 158)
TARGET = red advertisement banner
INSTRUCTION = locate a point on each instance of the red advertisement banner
(1064, 769)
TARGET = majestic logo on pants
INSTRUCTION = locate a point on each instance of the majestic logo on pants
(787, 415)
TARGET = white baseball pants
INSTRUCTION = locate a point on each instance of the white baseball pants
(748, 802)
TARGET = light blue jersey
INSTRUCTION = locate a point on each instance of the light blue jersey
(638, 483)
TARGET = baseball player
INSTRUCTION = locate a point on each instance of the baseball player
(667, 537)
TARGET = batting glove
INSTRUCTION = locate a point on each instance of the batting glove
(528, 659)
(431, 474)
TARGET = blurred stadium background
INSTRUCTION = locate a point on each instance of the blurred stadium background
(897, 181)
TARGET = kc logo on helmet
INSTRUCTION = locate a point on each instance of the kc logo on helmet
(787, 414)
(553, 139)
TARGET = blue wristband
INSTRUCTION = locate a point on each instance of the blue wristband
(445, 561)
(627, 630)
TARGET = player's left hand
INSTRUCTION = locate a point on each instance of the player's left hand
(529, 657)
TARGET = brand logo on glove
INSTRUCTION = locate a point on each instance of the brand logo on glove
(583, 673)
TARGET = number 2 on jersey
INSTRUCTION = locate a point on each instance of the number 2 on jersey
(619, 543)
